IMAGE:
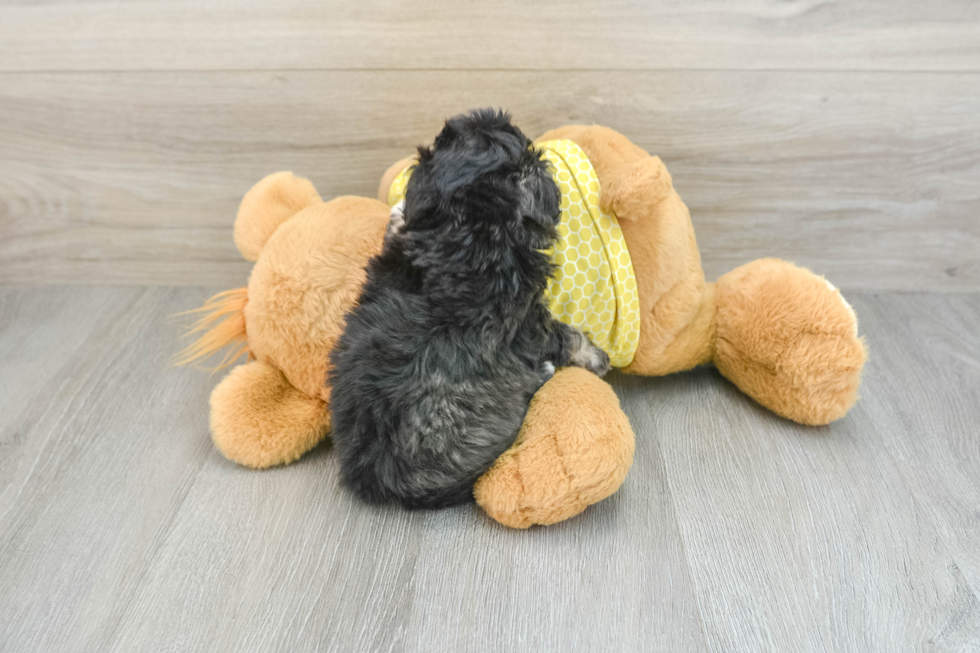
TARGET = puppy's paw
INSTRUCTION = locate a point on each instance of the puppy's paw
(596, 361)
(547, 371)
(590, 357)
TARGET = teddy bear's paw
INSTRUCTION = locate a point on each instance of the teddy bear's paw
(258, 419)
(574, 449)
(636, 190)
(788, 339)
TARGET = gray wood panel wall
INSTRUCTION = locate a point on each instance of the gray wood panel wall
(842, 136)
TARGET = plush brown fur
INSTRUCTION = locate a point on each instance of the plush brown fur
(675, 332)
(777, 331)
(552, 471)
(267, 205)
(222, 323)
(259, 419)
(781, 334)
(312, 267)
(310, 257)
(788, 339)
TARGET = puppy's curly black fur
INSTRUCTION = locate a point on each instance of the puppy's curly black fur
(451, 338)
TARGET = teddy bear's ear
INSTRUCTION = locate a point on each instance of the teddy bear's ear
(267, 205)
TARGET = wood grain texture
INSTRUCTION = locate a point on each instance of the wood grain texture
(925, 404)
(571, 34)
(96, 470)
(794, 534)
(870, 178)
(122, 529)
(127, 531)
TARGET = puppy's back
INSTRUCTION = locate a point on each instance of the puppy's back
(418, 416)
(432, 377)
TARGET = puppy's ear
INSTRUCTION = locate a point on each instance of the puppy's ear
(540, 205)
(471, 146)
(472, 157)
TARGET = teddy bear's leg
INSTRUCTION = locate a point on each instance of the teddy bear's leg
(258, 419)
(788, 339)
(574, 449)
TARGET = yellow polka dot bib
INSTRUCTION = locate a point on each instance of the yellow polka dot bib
(594, 288)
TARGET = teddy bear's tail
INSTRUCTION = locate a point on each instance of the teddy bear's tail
(221, 323)
(264, 208)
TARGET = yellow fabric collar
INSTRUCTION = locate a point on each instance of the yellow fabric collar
(594, 288)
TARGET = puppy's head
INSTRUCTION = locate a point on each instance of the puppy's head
(483, 176)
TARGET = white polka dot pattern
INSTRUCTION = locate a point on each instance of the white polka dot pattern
(594, 289)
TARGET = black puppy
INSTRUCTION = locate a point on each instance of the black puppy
(451, 338)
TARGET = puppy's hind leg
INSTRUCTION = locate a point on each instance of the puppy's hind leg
(575, 349)
(545, 372)
(588, 356)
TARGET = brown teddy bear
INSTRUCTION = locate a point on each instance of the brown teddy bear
(781, 334)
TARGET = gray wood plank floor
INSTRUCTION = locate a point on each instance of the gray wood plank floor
(121, 529)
